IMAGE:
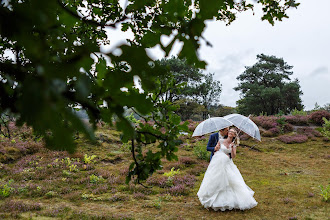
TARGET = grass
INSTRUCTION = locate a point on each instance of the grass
(285, 178)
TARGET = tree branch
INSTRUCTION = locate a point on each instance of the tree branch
(92, 22)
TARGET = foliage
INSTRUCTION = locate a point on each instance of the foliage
(282, 165)
(51, 64)
(299, 138)
(132, 119)
(222, 110)
(297, 119)
(309, 132)
(326, 128)
(266, 87)
(317, 116)
(172, 173)
(95, 179)
(201, 153)
(5, 119)
(188, 109)
(89, 159)
(209, 92)
(266, 122)
(20, 206)
(6, 189)
(184, 79)
(296, 112)
(281, 122)
(325, 192)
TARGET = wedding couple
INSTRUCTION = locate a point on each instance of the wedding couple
(223, 186)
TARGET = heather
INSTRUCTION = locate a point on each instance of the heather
(285, 171)
(290, 139)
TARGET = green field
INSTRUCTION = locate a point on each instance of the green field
(55, 185)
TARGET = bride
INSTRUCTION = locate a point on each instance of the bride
(223, 186)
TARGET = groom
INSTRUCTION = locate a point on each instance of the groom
(213, 145)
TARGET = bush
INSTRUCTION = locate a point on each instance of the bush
(310, 132)
(178, 190)
(317, 117)
(295, 112)
(271, 132)
(297, 119)
(326, 128)
(201, 152)
(244, 137)
(19, 206)
(266, 122)
(160, 181)
(325, 192)
(187, 161)
(287, 128)
(299, 138)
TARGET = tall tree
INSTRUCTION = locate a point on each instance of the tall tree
(185, 79)
(57, 64)
(209, 92)
(266, 87)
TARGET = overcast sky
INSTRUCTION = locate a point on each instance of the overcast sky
(303, 41)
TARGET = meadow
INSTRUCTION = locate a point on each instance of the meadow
(286, 175)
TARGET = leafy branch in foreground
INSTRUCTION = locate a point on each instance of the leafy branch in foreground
(156, 136)
(51, 64)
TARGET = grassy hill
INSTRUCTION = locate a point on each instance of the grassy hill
(41, 184)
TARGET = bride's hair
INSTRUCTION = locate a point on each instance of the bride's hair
(236, 138)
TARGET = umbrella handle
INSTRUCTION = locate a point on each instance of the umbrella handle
(240, 129)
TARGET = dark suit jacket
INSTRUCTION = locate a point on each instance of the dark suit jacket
(213, 140)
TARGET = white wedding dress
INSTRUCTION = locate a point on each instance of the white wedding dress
(223, 186)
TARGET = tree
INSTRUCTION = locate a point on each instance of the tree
(209, 92)
(188, 108)
(266, 87)
(185, 79)
(222, 110)
(57, 66)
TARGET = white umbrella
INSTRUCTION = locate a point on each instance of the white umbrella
(245, 124)
(211, 125)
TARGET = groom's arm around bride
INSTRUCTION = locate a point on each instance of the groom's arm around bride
(213, 140)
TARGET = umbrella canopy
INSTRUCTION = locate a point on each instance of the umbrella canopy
(211, 125)
(245, 124)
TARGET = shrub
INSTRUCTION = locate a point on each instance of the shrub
(310, 132)
(6, 189)
(299, 138)
(188, 180)
(201, 152)
(101, 189)
(266, 122)
(326, 128)
(19, 206)
(172, 173)
(274, 131)
(244, 137)
(51, 194)
(297, 119)
(178, 190)
(317, 117)
(139, 195)
(159, 181)
(89, 159)
(325, 192)
(187, 160)
(295, 112)
(95, 179)
(287, 128)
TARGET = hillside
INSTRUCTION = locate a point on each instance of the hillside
(42, 183)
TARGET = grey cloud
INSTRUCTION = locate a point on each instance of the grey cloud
(319, 71)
